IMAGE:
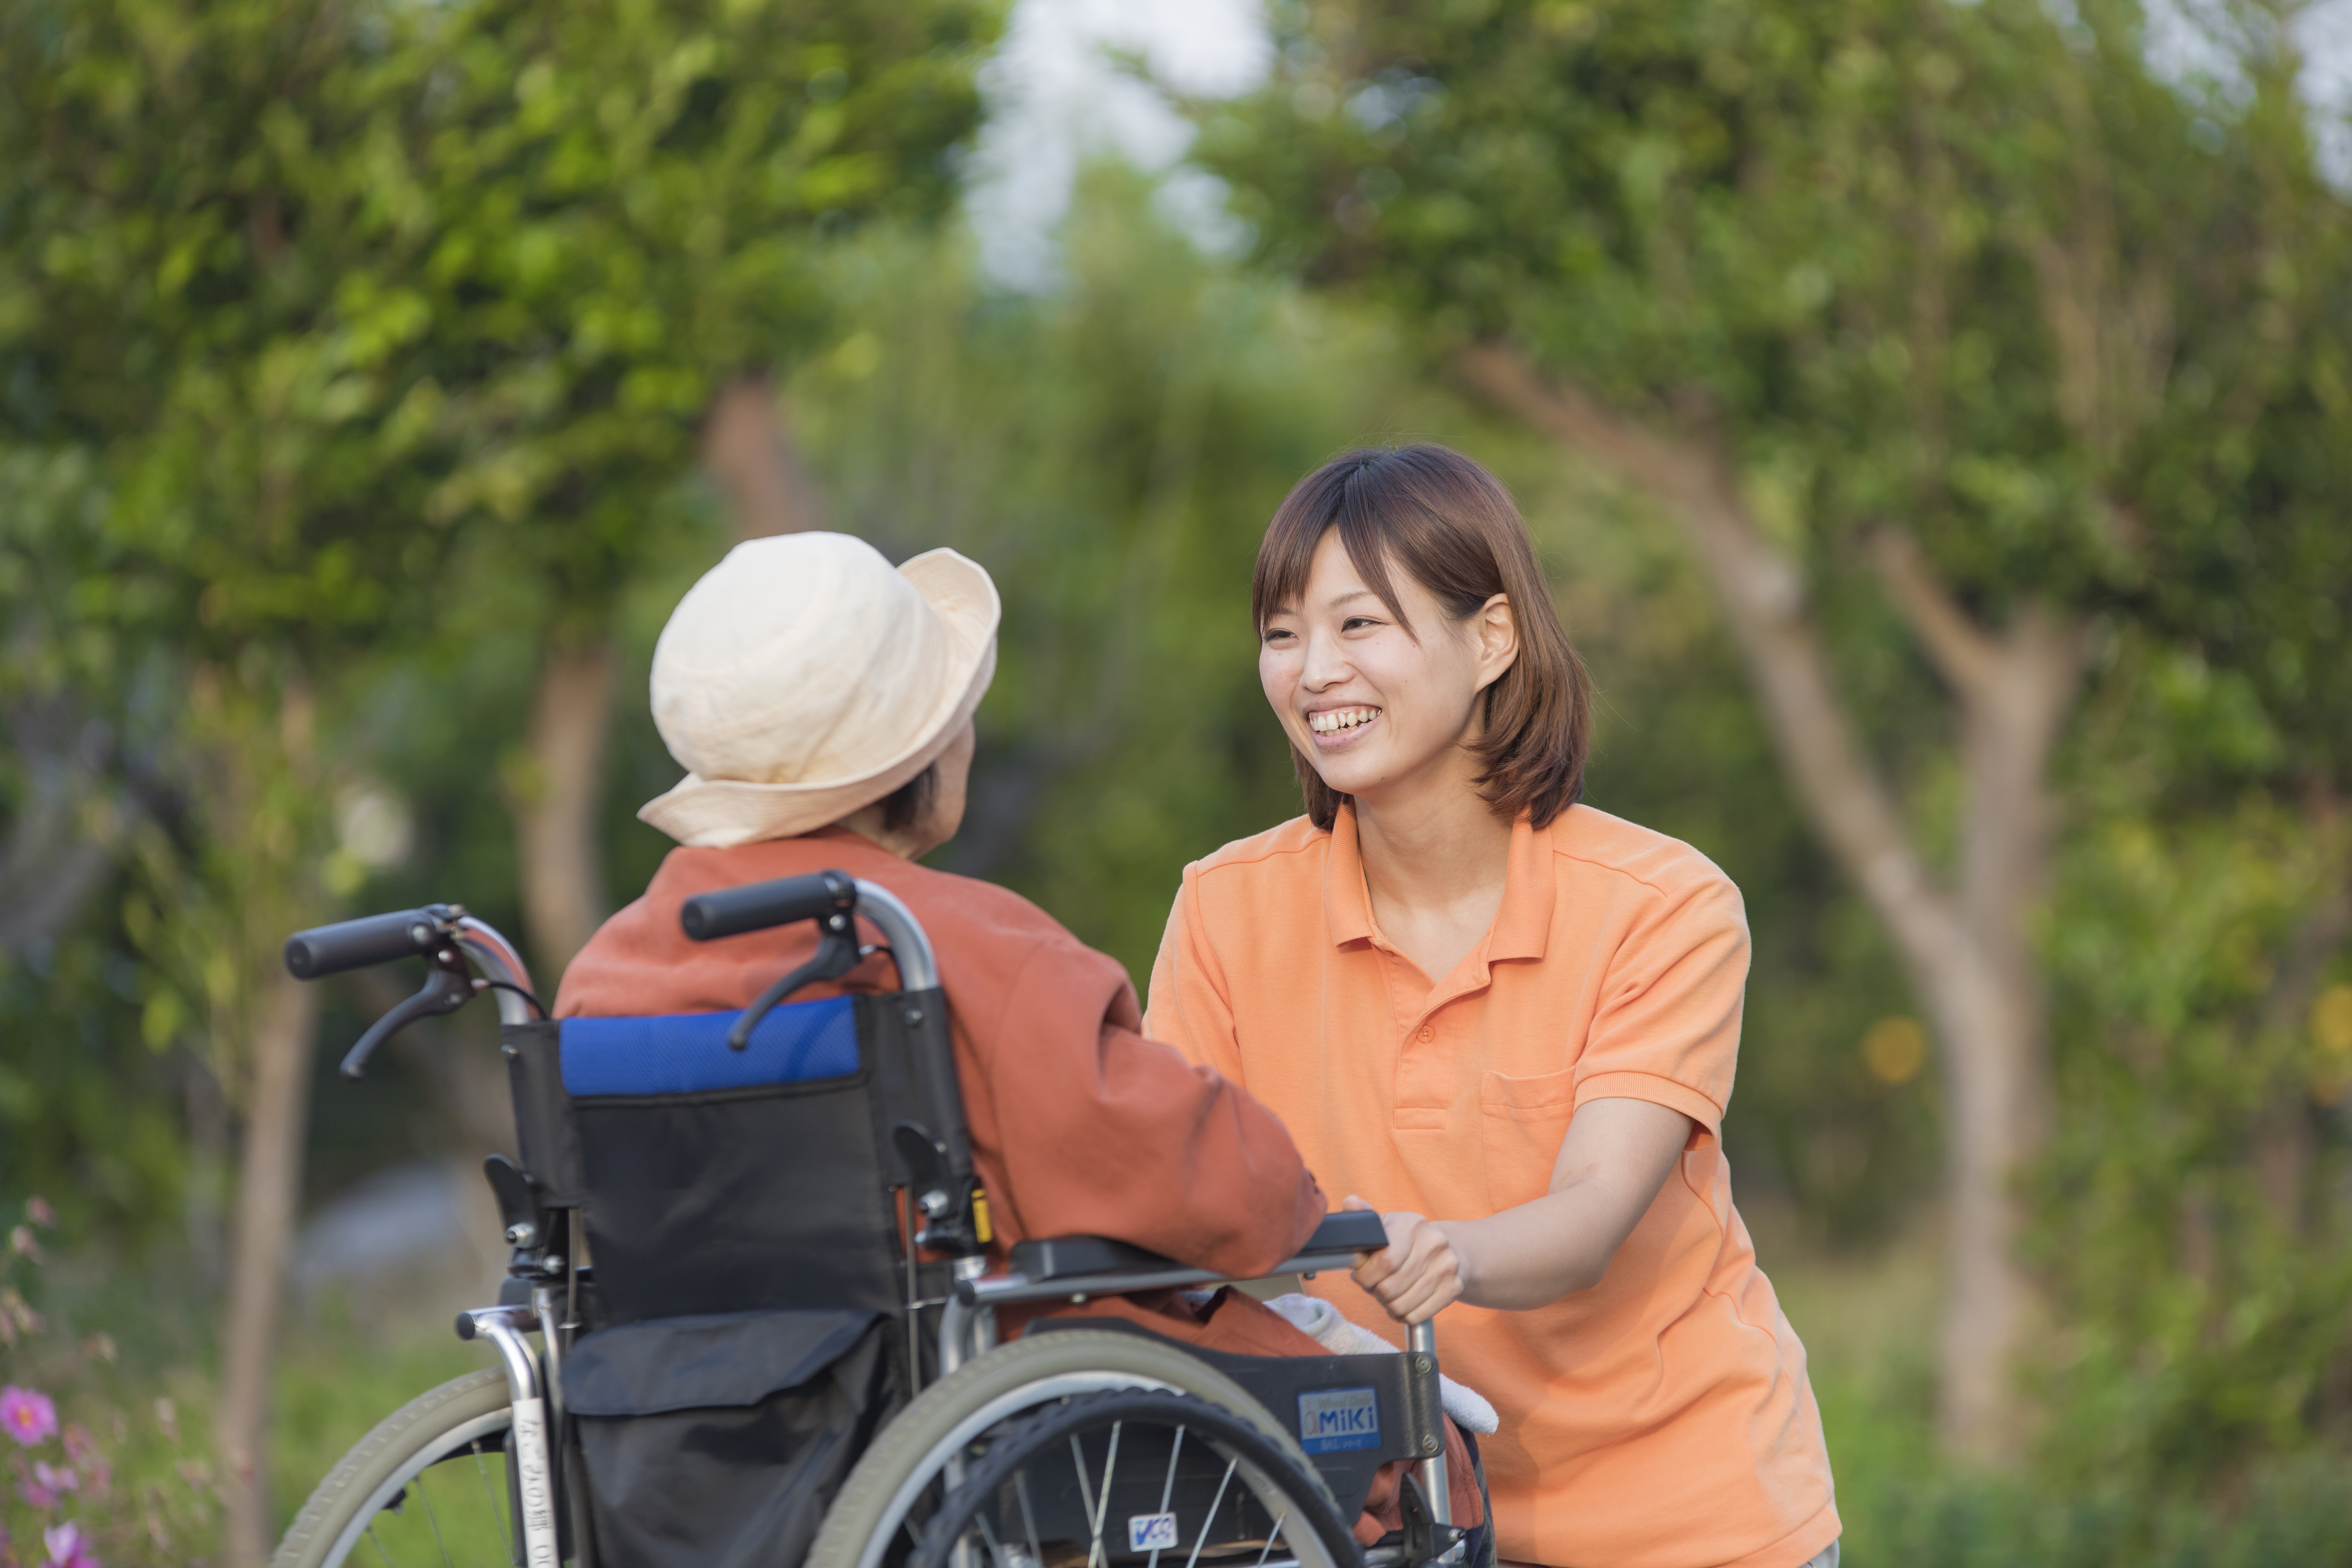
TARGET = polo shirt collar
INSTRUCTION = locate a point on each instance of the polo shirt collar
(1522, 925)
(1346, 902)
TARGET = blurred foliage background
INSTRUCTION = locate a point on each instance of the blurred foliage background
(374, 376)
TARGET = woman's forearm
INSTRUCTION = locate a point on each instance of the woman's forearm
(1617, 1154)
(1533, 1255)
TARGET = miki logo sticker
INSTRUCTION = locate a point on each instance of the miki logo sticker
(1331, 1420)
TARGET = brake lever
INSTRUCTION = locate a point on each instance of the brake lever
(836, 955)
(448, 987)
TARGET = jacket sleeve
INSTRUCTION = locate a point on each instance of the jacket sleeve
(1108, 1133)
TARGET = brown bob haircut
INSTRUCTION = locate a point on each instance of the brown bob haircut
(1453, 529)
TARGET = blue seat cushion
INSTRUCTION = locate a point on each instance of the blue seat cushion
(686, 1053)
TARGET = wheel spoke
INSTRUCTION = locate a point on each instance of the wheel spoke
(1272, 1536)
(1167, 1486)
(1086, 1492)
(1028, 1519)
(1214, 1503)
(434, 1521)
(380, 1552)
(1095, 1556)
(988, 1538)
(497, 1510)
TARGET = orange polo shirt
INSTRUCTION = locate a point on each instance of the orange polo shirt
(1660, 1419)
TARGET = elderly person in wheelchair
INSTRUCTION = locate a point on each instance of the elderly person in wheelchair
(893, 1248)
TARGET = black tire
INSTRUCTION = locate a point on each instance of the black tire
(465, 1419)
(1280, 1504)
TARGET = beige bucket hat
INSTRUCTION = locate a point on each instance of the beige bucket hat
(802, 677)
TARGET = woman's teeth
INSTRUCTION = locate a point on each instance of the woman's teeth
(1336, 718)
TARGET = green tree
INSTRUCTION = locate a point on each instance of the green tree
(338, 305)
(1903, 312)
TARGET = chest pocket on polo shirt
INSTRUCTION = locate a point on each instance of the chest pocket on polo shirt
(1525, 1118)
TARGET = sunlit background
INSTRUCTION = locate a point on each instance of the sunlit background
(1936, 419)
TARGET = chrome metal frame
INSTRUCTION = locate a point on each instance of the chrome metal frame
(499, 961)
(505, 1327)
(918, 969)
(1422, 1340)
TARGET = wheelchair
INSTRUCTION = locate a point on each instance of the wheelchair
(749, 1317)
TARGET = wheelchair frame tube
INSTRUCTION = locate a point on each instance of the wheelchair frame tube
(504, 1327)
(1423, 1343)
(496, 958)
(918, 969)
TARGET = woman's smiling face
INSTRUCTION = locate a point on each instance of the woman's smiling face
(1370, 702)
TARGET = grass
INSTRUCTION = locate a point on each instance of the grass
(1868, 1326)
(123, 1353)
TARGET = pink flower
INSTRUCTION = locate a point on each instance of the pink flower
(38, 1210)
(97, 1475)
(69, 1547)
(39, 1496)
(28, 1414)
(56, 1478)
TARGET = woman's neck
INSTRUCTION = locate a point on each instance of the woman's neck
(1435, 859)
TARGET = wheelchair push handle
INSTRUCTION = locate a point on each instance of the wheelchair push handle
(453, 945)
(347, 945)
(734, 910)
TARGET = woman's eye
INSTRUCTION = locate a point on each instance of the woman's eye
(1357, 623)
(1275, 633)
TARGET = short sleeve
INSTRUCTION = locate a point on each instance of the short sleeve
(1667, 1028)
(1190, 1007)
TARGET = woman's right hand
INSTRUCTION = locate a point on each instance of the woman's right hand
(1418, 1272)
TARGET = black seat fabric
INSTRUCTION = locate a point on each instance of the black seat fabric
(723, 1181)
(721, 1441)
(751, 1332)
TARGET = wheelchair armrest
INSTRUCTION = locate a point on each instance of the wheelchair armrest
(1115, 1265)
(1065, 1257)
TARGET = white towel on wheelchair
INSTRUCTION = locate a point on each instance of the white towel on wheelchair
(1321, 1322)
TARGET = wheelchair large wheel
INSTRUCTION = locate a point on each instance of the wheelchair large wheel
(943, 1441)
(427, 1486)
(1129, 1479)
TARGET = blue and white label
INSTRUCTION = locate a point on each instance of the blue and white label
(1333, 1419)
(1151, 1533)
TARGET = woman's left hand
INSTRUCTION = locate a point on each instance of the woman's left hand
(1418, 1271)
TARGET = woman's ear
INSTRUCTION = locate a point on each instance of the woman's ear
(1498, 640)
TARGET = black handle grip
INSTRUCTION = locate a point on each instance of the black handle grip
(358, 944)
(1350, 1230)
(733, 910)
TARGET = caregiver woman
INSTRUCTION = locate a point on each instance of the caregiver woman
(1474, 999)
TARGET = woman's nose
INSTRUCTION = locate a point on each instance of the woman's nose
(1325, 665)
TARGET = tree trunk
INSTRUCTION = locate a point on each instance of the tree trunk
(2284, 1146)
(745, 448)
(560, 858)
(1968, 950)
(556, 808)
(269, 1183)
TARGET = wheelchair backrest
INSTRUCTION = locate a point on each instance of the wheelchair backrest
(712, 1180)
